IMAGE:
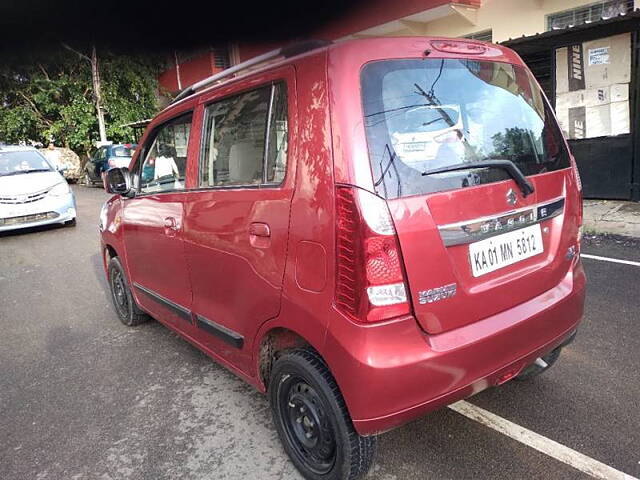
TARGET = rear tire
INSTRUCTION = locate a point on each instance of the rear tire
(87, 180)
(312, 420)
(128, 311)
(534, 370)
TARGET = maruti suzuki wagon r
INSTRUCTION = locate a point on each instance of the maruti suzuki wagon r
(365, 231)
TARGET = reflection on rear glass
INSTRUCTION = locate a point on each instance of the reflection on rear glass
(427, 114)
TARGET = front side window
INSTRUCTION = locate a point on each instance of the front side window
(245, 139)
(423, 115)
(165, 162)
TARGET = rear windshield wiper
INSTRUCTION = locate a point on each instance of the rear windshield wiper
(511, 168)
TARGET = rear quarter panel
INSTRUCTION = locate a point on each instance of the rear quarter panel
(306, 306)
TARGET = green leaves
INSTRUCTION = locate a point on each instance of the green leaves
(49, 95)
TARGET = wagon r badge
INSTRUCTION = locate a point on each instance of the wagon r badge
(438, 293)
(512, 198)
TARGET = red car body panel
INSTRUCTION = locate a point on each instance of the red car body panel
(227, 253)
(156, 259)
(224, 269)
(430, 371)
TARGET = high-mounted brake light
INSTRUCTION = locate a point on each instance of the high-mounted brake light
(370, 284)
(454, 46)
(576, 174)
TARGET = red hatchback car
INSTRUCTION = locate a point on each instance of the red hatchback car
(365, 231)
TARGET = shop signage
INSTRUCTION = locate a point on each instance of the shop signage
(575, 68)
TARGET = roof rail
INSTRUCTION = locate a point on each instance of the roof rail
(285, 52)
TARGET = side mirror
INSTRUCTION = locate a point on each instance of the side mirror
(118, 181)
(61, 168)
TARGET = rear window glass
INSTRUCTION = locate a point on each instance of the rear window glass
(245, 139)
(422, 115)
(122, 151)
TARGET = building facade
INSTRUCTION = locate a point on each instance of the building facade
(597, 112)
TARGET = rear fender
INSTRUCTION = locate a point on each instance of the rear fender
(288, 337)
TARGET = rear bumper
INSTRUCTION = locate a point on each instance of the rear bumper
(48, 211)
(391, 374)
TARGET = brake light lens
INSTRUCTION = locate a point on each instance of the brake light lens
(370, 284)
(111, 162)
(574, 168)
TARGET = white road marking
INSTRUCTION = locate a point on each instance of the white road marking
(609, 259)
(545, 445)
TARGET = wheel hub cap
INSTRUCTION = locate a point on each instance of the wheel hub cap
(308, 427)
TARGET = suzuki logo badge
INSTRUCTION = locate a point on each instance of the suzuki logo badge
(512, 198)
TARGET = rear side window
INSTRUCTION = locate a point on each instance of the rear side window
(101, 154)
(165, 162)
(121, 151)
(422, 115)
(245, 139)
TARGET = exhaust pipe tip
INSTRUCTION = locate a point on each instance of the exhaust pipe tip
(541, 363)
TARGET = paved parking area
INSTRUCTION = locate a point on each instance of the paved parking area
(83, 397)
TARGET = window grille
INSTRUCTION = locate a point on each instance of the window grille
(588, 13)
(221, 57)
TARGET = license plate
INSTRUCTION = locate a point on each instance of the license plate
(414, 147)
(18, 211)
(503, 250)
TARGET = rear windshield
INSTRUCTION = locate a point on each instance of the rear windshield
(122, 151)
(422, 115)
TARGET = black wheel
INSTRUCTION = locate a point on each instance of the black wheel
(312, 420)
(535, 369)
(87, 179)
(126, 308)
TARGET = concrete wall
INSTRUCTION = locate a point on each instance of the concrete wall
(455, 18)
(507, 19)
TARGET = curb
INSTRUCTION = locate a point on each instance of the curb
(612, 217)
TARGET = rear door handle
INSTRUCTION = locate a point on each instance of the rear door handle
(171, 223)
(258, 229)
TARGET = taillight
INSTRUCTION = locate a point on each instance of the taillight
(111, 162)
(576, 174)
(370, 283)
(574, 167)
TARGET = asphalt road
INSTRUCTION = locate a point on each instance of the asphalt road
(84, 397)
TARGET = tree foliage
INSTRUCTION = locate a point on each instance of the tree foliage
(49, 95)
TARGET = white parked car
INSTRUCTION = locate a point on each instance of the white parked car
(32, 191)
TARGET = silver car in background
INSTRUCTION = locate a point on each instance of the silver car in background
(32, 191)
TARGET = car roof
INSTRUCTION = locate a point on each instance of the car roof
(374, 48)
